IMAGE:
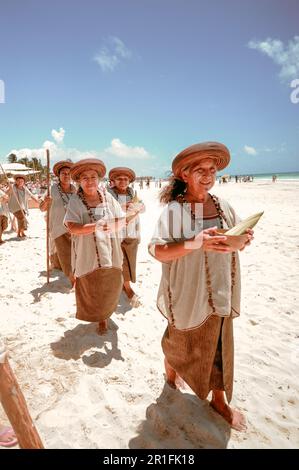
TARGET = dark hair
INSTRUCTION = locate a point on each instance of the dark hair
(174, 188)
(62, 168)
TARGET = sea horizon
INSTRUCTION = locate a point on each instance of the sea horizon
(288, 175)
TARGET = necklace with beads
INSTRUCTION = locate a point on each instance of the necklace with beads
(222, 217)
(91, 217)
(65, 196)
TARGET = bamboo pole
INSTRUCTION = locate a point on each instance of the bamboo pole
(48, 213)
(14, 405)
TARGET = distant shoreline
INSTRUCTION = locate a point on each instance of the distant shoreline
(287, 176)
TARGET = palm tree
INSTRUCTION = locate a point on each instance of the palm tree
(24, 160)
(12, 158)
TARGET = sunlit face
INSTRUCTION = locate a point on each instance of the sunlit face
(121, 182)
(201, 177)
(20, 182)
(89, 181)
(65, 176)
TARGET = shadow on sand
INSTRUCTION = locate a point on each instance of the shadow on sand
(123, 304)
(75, 342)
(181, 421)
(58, 283)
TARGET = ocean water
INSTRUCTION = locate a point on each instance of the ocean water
(280, 176)
(268, 176)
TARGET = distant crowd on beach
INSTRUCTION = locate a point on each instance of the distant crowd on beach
(237, 178)
(240, 178)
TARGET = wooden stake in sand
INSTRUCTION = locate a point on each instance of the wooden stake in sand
(48, 209)
(14, 404)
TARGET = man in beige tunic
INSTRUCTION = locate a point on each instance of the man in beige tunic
(199, 292)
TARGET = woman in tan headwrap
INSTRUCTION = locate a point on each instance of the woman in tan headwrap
(19, 196)
(200, 287)
(93, 217)
(60, 194)
(121, 178)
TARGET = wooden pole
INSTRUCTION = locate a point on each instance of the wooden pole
(14, 404)
(48, 209)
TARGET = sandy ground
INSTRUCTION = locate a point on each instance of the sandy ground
(87, 391)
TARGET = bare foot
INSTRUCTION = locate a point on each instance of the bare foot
(7, 437)
(102, 327)
(72, 281)
(128, 290)
(170, 374)
(234, 417)
(180, 383)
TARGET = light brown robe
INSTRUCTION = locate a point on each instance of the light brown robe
(198, 343)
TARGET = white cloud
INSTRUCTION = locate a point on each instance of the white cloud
(286, 56)
(278, 149)
(121, 150)
(58, 136)
(105, 60)
(111, 155)
(120, 48)
(112, 53)
(56, 153)
(250, 150)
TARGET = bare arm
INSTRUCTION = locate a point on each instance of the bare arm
(45, 203)
(205, 240)
(79, 229)
(32, 195)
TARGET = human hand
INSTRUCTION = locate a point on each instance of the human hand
(250, 237)
(208, 240)
(46, 203)
(214, 241)
(4, 198)
(135, 207)
(110, 225)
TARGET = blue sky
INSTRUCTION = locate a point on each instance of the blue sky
(136, 81)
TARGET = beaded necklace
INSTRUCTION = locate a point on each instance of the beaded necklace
(222, 217)
(91, 217)
(63, 195)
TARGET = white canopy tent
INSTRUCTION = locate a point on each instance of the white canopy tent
(14, 167)
(18, 168)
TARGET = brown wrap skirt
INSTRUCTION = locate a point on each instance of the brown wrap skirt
(204, 356)
(22, 221)
(62, 258)
(3, 224)
(97, 294)
(129, 248)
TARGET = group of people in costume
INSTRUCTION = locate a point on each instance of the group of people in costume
(15, 201)
(95, 234)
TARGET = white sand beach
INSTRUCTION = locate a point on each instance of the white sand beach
(90, 391)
